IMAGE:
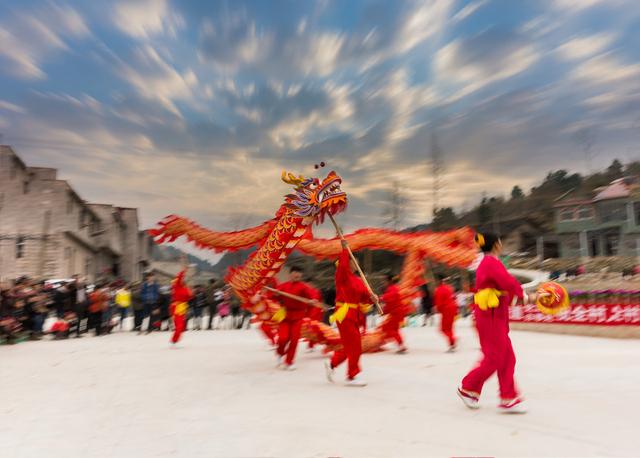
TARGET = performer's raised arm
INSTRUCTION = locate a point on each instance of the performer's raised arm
(343, 269)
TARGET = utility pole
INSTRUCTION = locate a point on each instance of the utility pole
(437, 167)
(586, 139)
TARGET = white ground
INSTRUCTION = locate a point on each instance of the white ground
(219, 396)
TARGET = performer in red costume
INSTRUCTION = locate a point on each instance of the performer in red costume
(352, 299)
(445, 302)
(496, 290)
(180, 296)
(395, 311)
(314, 313)
(291, 319)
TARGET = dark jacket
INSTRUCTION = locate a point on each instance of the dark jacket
(150, 293)
(136, 299)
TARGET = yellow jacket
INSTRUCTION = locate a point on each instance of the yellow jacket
(123, 298)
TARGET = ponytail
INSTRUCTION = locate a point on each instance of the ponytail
(487, 241)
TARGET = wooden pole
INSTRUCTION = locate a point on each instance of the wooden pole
(355, 261)
(297, 298)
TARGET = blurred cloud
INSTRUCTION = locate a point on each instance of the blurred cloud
(146, 18)
(488, 57)
(31, 36)
(581, 47)
(195, 107)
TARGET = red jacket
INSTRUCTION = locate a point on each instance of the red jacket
(296, 310)
(393, 302)
(349, 287)
(315, 313)
(491, 273)
(444, 299)
(98, 301)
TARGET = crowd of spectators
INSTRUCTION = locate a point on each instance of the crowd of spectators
(31, 310)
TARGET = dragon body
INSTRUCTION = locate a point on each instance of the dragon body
(310, 202)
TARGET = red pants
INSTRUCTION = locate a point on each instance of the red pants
(392, 329)
(446, 325)
(288, 336)
(179, 323)
(498, 356)
(351, 347)
(268, 331)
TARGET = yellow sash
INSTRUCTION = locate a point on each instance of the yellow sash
(180, 308)
(280, 315)
(487, 298)
(342, 308)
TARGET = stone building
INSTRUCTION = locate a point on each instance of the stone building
(603, 223)
(48, 231)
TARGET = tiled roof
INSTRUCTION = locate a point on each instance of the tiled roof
(616, 190)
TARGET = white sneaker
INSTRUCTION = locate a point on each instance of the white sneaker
(289, 367)
(514, 406)
(310, 349)
(355, 382)
(329, 371)
(280, 363)
(469, 399)
(452, 348)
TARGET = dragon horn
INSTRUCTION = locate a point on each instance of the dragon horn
(290, 178)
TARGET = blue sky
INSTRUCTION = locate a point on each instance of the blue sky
(194, 107)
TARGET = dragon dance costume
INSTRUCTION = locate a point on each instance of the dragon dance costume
(446, 304)
(310, 201)
(314, 314)
(290, 317)
(352, 300)
(267, 326)
(396, 311)
(496, 290)
(181, 294)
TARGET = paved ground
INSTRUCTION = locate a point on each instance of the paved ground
(131, 396)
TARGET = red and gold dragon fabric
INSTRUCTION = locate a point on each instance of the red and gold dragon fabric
(310, 202)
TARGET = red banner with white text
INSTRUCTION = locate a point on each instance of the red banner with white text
(591, 314)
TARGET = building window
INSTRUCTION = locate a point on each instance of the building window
(81, 219)
(614, 211)
(25, 187)
(585, 213)
(20, 243)
(566, 214)
(636, 211)
(611, 243)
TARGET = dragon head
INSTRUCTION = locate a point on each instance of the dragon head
(314, 198)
